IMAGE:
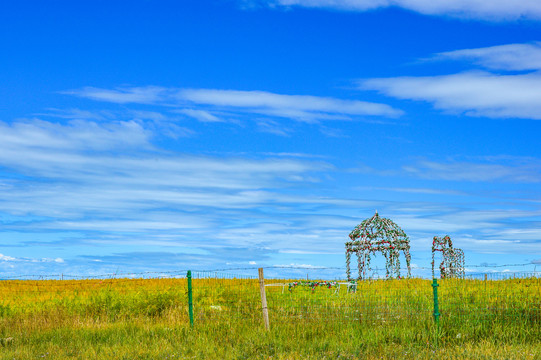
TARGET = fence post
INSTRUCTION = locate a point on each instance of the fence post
(263, 299)
(436, 305)
(190, 298)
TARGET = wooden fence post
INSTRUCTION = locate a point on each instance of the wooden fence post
(263, 299)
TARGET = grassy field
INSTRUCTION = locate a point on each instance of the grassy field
(148, 319)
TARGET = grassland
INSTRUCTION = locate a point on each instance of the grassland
(148, 319)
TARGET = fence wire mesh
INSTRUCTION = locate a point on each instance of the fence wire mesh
(374, 302)
(508, 304)
(220, 296)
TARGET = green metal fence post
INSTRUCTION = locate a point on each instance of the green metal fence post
(190, 299)
(436, 310)
(436, 305)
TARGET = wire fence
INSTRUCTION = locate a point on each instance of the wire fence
(477, 305)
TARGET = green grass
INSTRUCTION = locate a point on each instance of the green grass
(148, 319)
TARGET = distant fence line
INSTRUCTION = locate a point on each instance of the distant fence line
(305, 269)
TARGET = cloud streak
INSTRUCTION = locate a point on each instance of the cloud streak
(135, 95)
(514, 93)
(102, 184)
(61, 170)
(525, 171)
(471, 93)
(304, 108)
(476, 9)
(75, 135)
(516, 57)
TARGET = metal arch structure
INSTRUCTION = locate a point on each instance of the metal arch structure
(378, 234)
(452, 264)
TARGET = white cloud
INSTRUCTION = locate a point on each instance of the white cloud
(76, 114)
(6, 258)
(200, 115)
(521, 234)
(76, 135)
(43, 260)
(472, 93)
(40, 148)
(305, 108)
(354, 5)
(493, 9)
(165, 124)
(272, 127)
(477, 93)
(231, 200)
(299, 266)
(71, 177)
(481, 9)
(141, 95)
(301, 107)
(147, 115)
(523, 171)
(493, 230)
(149, 197)
(49, 260)
(416, 190)
(502, 57)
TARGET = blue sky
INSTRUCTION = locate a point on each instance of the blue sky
(164, 135)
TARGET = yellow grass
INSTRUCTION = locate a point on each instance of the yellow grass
(148, 319)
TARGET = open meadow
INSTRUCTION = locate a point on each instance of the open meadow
(382, 319)
(156, 156)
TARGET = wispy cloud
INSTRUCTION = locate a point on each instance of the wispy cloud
(89, 179)
(518, 171)
(478, 9)
(139, 95)
(7, 258)
(116, 189)
(200, 115)
(304, 108)
(165, 122)
(76, 114)
(430, 191)
(75, 135)
(472, 93)
(502, 57)
(301, 107)
(104, 185)
(476, 92)
(502, 230)
(273, 127)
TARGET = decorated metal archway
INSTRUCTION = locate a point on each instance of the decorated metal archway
(452, 264)
(378, 234)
